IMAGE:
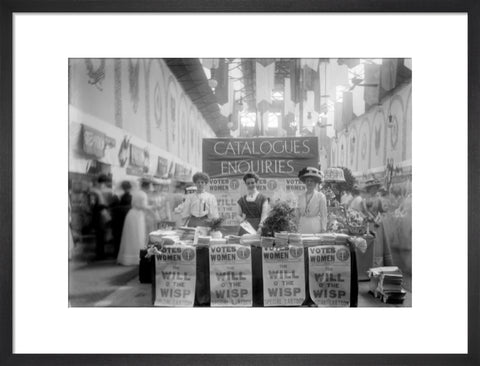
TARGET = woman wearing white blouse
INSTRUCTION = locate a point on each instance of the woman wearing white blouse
(253, 207)
(312, 205)
(201, 206)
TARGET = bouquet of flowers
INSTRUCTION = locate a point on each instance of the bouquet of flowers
(356, 222)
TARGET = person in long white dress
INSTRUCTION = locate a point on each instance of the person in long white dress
(312, 205)
(134, 234)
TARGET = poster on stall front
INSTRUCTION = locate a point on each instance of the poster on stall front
(283, 275)
(175, 268)
(329, 275)
(230, 275)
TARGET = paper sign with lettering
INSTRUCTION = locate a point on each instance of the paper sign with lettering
(176, 267)
(280, 157)
(283, 275)
(229, 190)
(329, 275)
(230, 275)
(277, 161)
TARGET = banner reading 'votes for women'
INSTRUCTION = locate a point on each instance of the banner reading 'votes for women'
(277, 162)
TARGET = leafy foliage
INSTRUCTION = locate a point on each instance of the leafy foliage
(349, 180)
(280, 218)
(215, 224)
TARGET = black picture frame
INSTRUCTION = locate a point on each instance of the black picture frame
(9, 7)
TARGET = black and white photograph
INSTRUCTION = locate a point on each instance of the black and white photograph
(240, 182)
(238, 188)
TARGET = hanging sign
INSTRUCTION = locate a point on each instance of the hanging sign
(329, 275)
(280, 157)
(283, 275)
(277, 161)
(175, 277)
(230, 275)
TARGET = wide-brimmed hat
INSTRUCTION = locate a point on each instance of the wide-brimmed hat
(191, 188)
(371, 183)
(310, 172)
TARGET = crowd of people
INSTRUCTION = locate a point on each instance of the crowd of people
(124, 216)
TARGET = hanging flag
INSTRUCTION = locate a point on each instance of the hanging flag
(288, 105)
(264, 84)
(372, 84)
(388, 74)
(221, 75)
(347, 108)
(317, 92)
(264, 80)
(210, 63)
(295, 90)
(227, 108)
(336, 75)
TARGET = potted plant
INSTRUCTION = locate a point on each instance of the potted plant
(280, 218)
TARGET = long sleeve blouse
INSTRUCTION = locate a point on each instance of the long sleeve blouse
(200, 205)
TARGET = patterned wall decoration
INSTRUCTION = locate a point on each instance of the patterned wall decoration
(364, 146)
(377, 140)
(172, 110)
(395, 130)
(352, 148)
(133, 81)
(182, 122)
(158, 102)
(117, 65)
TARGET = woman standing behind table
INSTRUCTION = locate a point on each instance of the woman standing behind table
(134, 234)
(201, 206)
(253, 207)
(312, 205)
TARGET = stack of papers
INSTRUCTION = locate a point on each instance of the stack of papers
(386, 284)
(186, 233)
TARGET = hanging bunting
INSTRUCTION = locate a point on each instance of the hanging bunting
(371, 81)
(221, 76)
(264, 84)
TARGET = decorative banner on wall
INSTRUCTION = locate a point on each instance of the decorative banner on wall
(230, 275)
(281, 157)
(283, 275)
(93, 142)
(329, 275)
(175, 277)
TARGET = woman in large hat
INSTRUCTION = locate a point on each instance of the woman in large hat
(312, 205)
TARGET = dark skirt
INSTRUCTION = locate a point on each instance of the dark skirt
(194, 221)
